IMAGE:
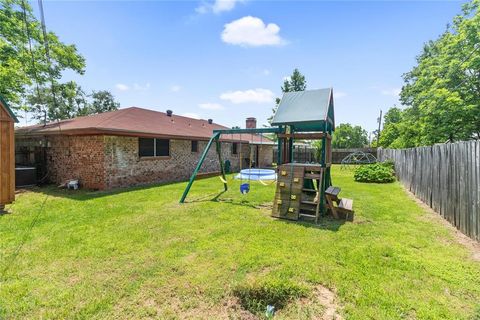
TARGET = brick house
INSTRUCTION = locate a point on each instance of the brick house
(132, 146)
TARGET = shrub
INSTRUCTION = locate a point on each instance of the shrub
(376, 172)
(256, 296)
(389, 164)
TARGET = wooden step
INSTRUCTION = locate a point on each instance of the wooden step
(312, 209)
(304, 215)
(312, 203)
(346, 204)
(309, 190)
(312, 176)
(334, 191)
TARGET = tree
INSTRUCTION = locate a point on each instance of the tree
(442, 92)
(391, 130)
(102, 101)
(69, 98)
(70, 102)
(296, 82)
(347, 136)
(21, 69)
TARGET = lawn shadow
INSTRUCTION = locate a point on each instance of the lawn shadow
(89, 194)
(206, 198)
(325, 223)
(216, 197)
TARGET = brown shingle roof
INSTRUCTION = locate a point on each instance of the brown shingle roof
(135, 121)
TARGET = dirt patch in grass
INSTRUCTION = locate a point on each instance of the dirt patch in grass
(291, 301)
(255, 296)
(328, 299)
(472, 245)
(321, 304)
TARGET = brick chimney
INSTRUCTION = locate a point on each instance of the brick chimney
(251, 123)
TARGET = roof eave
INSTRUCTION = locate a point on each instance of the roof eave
(9, 110)
(116, 132)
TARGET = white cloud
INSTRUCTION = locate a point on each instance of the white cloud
(266, 72)
(139, 87)
(175, 88)
(395, 92)
(135, 86)
(203, 8)
(249, 96)
(211, 106)
(339, 94)
(223, 5)
(122, 87)
(190, 115)
(252, 32)
(218, 6)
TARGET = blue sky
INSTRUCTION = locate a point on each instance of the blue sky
(226, 60)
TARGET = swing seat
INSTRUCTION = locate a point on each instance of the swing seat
(245, 188)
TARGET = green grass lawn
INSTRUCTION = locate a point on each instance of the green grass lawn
(138, 253)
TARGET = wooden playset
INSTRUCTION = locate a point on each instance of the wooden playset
(304, 190)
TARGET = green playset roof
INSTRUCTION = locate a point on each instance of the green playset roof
(310, 110)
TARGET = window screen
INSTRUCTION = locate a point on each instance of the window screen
(234, 148)
(163, 147)
(194, 146)
(150, 147)
(146, 147)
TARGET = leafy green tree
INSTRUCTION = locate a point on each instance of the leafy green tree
(348, 136)
(70, 101)
(102, 101)
(296, 82)
(442, 91)
(391, 130)
(22, 68)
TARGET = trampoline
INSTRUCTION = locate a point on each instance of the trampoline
(257, 174)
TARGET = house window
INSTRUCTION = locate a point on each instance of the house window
(146, 147)
(234, 148)
(194, 146)
(151, 147)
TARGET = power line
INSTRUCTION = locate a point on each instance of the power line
(15, 254)
(27, 30)
(47, 52)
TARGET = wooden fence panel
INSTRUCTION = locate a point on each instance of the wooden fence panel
(445, 177)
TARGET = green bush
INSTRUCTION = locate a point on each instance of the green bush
(382, 172)
(256, 296)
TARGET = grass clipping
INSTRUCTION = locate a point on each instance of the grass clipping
(256, 296)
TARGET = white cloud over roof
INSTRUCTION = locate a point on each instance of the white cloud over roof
(258, 95)
(122, 87)
(252, 32)
(218, 6)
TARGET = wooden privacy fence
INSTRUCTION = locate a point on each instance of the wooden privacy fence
(301, 154)
(446, 177)
(307, 154)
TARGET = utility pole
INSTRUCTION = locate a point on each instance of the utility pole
(379, 120)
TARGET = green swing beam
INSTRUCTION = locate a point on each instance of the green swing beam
(216, 138)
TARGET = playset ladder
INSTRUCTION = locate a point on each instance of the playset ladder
(297, 188)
